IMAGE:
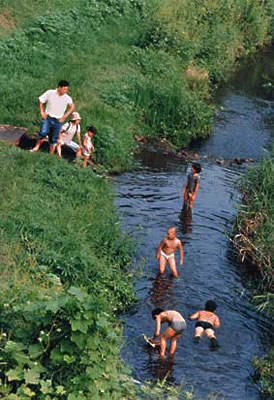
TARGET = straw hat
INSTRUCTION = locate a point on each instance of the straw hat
(75, 115)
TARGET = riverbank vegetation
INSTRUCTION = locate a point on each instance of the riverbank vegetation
(63, 265)
(254, 240)
(136, 68)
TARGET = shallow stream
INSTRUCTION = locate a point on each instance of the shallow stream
(149, 200)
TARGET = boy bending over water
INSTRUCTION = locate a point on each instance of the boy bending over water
(206, 323)
(176, 326)
(166, 252)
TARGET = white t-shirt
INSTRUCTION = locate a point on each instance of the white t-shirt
(56, 105)
(69, 129)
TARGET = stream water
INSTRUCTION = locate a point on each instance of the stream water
(149, 200)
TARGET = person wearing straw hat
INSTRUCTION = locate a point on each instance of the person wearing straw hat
(67, 133)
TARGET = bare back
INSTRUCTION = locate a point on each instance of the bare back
(171, 315)
(207, 316)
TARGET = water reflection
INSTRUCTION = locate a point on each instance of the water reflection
(161, 292)
(186, 219)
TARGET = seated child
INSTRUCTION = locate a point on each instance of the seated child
(191, 186)
(166, 252)
(206, 323)
(88, 146)
(176, 326)
(67, 133)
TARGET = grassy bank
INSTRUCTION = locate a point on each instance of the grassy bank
(254, 240)
(135, 67)
(63, 265)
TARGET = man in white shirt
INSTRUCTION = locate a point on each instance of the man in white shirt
(59, 106)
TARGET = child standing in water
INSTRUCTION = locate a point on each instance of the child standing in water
(176, 326)
(87, 145)
(166, 252)
(191, 186)
(206, 323)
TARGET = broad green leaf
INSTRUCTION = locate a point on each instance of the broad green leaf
(78, 292)
(35, 350)
(80, 339)
(69, 359)
(81, 325)
(15, 374)
(31, 377)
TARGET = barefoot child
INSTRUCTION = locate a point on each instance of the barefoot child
(88, 146)
(191, 186)
(67, 133)
(166, 252)
(176, 326)
(206, 323)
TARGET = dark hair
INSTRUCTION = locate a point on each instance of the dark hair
(197, 167)
(156, 311)
(92, 128)
(63, 84)
(210, 305)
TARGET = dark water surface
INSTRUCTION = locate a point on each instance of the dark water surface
(149, 201)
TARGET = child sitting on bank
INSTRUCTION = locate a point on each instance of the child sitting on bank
(166, 252)
(191, 187)
(88, 146)
(176, 326)
(206, 323)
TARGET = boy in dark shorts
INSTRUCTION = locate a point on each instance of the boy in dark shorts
(191, 187)
(206, 323)
(176, 326)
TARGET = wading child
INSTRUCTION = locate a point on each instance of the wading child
(191, 187)
(68, 131)
(88, 146)
(166, 252)
(206, 323)
(176, 326)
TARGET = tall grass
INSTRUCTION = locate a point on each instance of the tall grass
(135, 67)
(254, 238)
(63, 266)
(255, 222)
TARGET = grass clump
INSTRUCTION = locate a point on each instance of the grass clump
(63, 266)
(254, 238)
(255, 222)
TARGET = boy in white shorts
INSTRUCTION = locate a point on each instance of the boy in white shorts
(68, 131)
(166, 252)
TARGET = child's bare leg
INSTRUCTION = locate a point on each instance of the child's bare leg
(172, 266)
(58, 149)
(52, 148)
(162, 264)
(85, 161)
(173, 344)
(37, 146)
(168, 333)
(210, 333)
(79, 152)
(185, 206)
(199, 331)
(213, 341)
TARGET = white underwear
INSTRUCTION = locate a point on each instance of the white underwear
(166, 256)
